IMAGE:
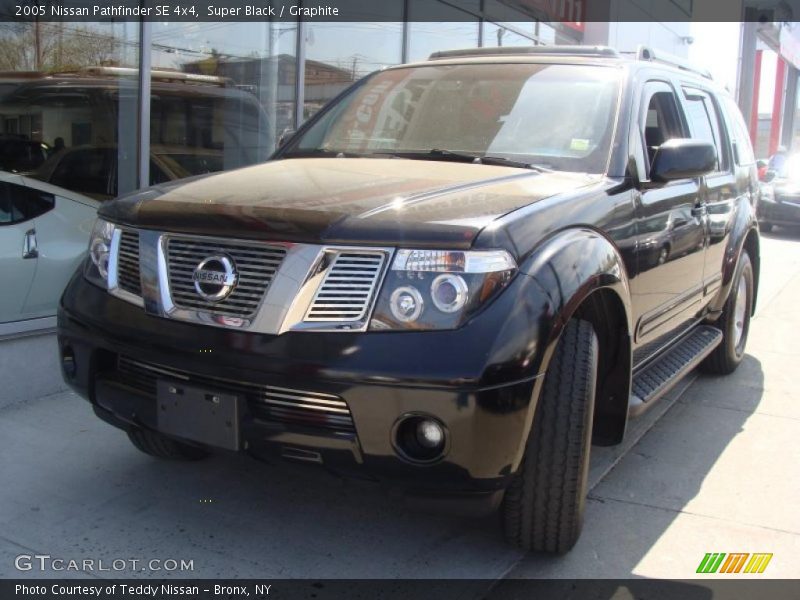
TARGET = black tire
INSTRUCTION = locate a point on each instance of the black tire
(765, 227)
(160, 446)
(727, 356)
(543, 507)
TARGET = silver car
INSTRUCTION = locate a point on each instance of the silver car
(44, 232)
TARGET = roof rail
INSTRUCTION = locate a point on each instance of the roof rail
(601, 51)
(156, 74)
(649, 54)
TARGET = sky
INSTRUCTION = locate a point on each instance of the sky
(716, 47)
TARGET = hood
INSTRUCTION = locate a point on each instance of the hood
(344, 200)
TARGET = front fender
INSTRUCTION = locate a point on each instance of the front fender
(572, 265)
(559, 278)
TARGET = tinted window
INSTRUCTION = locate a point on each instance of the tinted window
(704, 122)
(19, 203)
(84, 171)
(742, 148)
(661, 122)
(556, 115)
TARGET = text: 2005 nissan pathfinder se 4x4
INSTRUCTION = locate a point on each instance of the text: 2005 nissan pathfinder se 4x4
(455, 278)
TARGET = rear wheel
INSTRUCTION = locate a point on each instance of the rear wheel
(160, 446)
(734, 322)
(543, 508)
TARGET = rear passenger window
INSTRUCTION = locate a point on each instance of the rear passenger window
(740, 136)
(705, 124)
(19, 203)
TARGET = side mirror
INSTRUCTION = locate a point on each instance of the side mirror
(285, 137)
(681, 158)
(770, 176)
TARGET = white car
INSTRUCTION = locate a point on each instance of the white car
(44, 232)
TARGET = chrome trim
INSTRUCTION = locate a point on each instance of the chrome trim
(282, 308)
(113, 266)
(301, 404)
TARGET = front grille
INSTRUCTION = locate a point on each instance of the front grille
(348, 287)
(128, 277)
(271, 403)
(256, 265)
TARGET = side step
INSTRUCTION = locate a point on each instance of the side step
(658, 377)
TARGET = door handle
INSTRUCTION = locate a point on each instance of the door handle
(699, 210)
(30, 248)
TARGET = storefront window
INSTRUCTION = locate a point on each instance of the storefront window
(444, 28)
(499, 35)
(338, 54)
(222, 94)
(68, 95)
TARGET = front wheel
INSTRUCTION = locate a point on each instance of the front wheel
(734, 322)
(543, 507)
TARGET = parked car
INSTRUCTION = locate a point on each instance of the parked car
(92, 170)
(782, 205)
(20, 154)
(438, 282)
(44, 231)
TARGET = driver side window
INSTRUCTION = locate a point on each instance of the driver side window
(661, 121)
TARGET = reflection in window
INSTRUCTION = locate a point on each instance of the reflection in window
(84, 76)
(338, 54)
(222, 94)
(556, 115)
(436, 26)
(498, 35)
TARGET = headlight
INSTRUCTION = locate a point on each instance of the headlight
(439, 289)
(96, 269)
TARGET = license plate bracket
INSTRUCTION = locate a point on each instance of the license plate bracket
(198, 414)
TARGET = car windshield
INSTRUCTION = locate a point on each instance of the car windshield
(552, 115)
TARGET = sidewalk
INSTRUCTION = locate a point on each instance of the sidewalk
(717, 472)
(720, 472)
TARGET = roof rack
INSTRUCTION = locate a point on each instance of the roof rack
(156, 74)
(601, 51)
(646, 53)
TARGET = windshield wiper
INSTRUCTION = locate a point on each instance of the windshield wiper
(316, 152)
(450, 155)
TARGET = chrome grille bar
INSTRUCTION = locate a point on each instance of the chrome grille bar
(128, 262)
(256, 265)
(349, 286)
(269, 402)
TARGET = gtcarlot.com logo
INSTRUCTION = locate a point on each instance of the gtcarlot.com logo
(45, 562)
(734, 562)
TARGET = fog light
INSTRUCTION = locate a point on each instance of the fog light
(430, 433)
(420, 438)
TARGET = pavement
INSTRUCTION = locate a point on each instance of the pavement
(711, 468)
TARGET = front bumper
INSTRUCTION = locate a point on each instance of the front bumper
(380, 376)
(781, 211)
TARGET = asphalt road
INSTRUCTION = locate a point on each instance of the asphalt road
(712, 468)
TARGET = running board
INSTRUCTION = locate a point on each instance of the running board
(658, 377)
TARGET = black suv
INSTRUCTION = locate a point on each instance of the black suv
(455, 278)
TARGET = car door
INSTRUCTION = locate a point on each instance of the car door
(720, 186)
(666, 291)
(18, 251)
(62, 236)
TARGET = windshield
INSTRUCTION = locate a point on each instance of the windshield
(556, 116)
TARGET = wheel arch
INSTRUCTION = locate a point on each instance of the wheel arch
(596, 291)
